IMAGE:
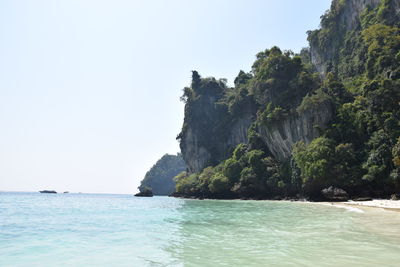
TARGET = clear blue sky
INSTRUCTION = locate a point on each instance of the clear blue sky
(89, 89)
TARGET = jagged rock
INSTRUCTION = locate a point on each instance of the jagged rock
(198, 153)
(303, 126)
(300, 126)
(322, 57)
(335, 194)
(395, 197)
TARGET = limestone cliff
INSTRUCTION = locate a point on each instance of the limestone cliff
(198, 156)
(210, 133)
(298, 123)
(300, 126)
(344, 16)
(159, 179)
(211, 130)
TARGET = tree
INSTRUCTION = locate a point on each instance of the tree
(219, 184)
(315, 162)
(232, 170)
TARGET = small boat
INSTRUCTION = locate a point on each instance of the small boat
(66, 192)
(48, 192)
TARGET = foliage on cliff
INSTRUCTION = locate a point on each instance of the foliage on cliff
(160, 177)
(359, 149)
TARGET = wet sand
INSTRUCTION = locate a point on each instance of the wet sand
(387, 204)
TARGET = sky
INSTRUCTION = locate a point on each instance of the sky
(89, 89)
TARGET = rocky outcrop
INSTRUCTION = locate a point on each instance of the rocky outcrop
(195, 155)
(347, 14)
(239, 130)
(145, 193)
(335, 194)
(160, 178)
(351, 12)
(319, 59)
(198, 155)
(211, 130)
(210, 134)
(302, 126)
(279, 138)
(354, 52)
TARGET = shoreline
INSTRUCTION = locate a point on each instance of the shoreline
(382, 204)
(363, 206)
(386, 204)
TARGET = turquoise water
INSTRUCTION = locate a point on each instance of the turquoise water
(121, 230)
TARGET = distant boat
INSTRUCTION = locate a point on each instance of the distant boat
(66, 192)
(48, 192)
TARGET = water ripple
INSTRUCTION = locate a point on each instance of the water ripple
(120, 230)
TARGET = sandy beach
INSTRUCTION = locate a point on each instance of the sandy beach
(361, 206)
(388, 204)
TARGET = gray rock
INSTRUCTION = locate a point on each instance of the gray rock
(145, 193)
(349, 18)
(280, 138)
(197, 153)
(335, 194)
(302, 126)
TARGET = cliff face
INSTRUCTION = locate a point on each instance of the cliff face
(304, 126)
(213, 134)
(346, 15)
(197, 156)
(325, 117)
(218, 118)
(352, 9)
(279, 138)
(324, 52)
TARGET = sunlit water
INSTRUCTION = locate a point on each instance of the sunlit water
(121, 230)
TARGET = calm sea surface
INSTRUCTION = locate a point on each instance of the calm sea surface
(121, 230)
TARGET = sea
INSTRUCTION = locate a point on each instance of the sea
(123, 230)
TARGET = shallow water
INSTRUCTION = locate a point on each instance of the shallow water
(121, 230)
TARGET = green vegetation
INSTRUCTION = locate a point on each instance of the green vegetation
(323, 164)
(358, 151)
(159, 179)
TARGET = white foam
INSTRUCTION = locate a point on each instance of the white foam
(352, 209)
